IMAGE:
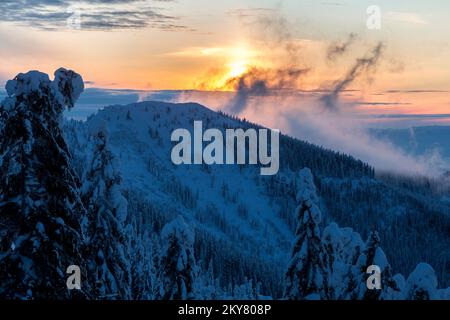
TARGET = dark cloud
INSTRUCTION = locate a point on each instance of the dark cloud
(105, 15)
(361, 66)
(261, 82)
(337, 49)
(322, 91)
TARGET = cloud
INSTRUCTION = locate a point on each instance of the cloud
(416, 91)
(104, 97)
(407, 17)
(220, 52)
(346, 134)
(244, 13)
(337, 49)
(93, 14)
(260, 82)
(407, 116)
(362, 66)
(382, 103)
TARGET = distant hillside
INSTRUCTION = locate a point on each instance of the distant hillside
(432, 142)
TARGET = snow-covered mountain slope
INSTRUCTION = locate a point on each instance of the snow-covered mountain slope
(245, 221)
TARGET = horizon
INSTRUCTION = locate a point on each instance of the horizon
(170, 45)
(292, 66)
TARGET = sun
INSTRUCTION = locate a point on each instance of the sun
(237, 69)
(233, 63)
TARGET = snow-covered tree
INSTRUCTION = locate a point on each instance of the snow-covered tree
(178, 268)
(343, 247)
(306, 277)
(247, 291)
(444, 294)
(142, 268)
(155, 245)
(107, 238)
(40, 206)
(207, 286)
(372, 255)
(422, 283)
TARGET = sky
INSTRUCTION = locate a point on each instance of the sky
(326, 71)
(198, 44)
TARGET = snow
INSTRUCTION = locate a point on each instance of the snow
(139, 137)
(66, 87)
(400, 281)
(306, 190)
(236, 208)
(316, 215)
(70, 85)
(26, 83)
(380, 259)
(179, 228)
(423, 278)
(444, 294)
(40, 228)
(142, 148)
(8, 103)
(312, 296)
(333, 233)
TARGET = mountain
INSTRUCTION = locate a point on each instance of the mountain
(245, 223)
(100, 207)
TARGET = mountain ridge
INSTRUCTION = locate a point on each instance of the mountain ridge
(257, 219)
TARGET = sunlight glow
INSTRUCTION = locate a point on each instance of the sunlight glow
(237, 69)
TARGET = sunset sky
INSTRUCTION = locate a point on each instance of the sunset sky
(200, 44)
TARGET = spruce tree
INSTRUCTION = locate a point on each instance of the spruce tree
(178, 268)
(373, 255)
(40, 206)
(306, 277)
(343, 247)
(142, 269)
(208, 286)
(246, 291)
(108, 245)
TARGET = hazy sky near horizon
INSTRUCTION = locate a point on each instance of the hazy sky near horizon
(199, 44)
